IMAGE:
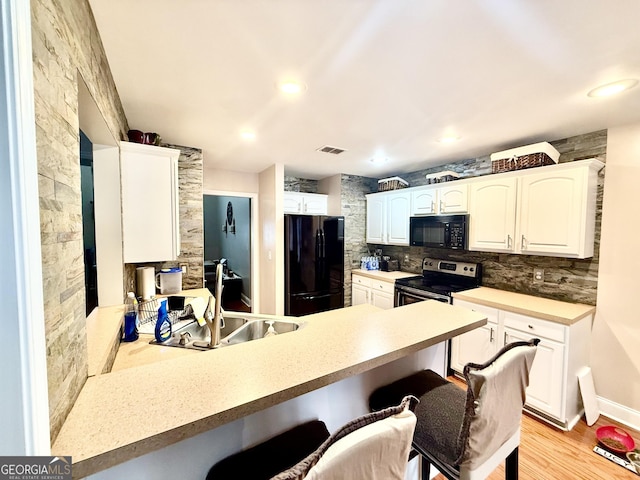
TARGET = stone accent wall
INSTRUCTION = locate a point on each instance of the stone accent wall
(354, 189)
(190, 178)
(295, 184)
(571, 280)
(66, 44)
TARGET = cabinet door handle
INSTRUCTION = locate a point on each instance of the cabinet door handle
(506, 338)
(530, 327)
(443, 207)
(491, 335)
(433, 207)
(523, 243)
(508, 241)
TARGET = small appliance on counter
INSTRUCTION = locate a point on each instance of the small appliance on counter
(389, 265)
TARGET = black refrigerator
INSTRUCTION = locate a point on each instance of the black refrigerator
(314, 264)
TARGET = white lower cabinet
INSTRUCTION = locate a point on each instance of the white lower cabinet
(477, 345)
(553, 392)
(372, 291)
(359, 294)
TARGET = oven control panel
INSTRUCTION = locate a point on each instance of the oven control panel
(446, 266)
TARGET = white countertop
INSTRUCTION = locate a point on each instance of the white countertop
(553, 310)
(127, 413)
(380, 275)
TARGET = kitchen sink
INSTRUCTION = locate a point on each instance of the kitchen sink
(196, 337)
(238, 328)
(256, 329)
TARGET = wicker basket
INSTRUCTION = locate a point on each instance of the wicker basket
(392, 183)
(536, 155)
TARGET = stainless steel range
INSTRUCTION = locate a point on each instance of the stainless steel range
(438, 281)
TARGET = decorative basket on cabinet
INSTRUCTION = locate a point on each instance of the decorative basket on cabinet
(535, 155)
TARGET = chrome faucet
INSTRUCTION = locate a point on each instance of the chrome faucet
(215, 319)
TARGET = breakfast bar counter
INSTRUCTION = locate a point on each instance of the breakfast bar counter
(127, 413)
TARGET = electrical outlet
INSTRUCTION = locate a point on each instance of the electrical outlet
(185, 268)
(406, 258)
(538, 275)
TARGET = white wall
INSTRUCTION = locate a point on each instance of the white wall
(230, 181)
(332, 186)
(615, 352)
(272, 240)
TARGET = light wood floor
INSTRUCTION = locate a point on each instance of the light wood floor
(547, 453)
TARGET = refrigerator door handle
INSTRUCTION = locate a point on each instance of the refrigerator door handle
(315, 297)
(318, 244)
(323, 243)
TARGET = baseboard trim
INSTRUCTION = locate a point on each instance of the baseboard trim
(619, 413)
(246, 300)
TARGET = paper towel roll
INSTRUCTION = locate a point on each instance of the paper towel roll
(146, 282)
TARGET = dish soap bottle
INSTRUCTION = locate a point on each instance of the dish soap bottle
(130, 318)
(163, 325)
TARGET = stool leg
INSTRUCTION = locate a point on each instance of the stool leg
(511, 465)
(425, 468)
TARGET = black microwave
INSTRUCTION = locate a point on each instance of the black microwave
(442, 231)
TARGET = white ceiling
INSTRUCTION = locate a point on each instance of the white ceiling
(385, 77)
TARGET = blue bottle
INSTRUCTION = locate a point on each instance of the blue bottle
(130, 319)
(163, 325)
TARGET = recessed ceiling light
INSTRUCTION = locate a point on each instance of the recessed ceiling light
(378, 160)
(248, 135)
(613, 88)
(292, 87)
(448, 139)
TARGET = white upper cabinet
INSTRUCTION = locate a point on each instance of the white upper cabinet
(305, 203)
(492, 214)
(546, 211)
(388, 218)
(424, 201)
(398, 218)
(453, 198)
(556, 216)
(150, 217)
(432, 200)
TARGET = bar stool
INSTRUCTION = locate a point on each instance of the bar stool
(466, 435)
(351, 453)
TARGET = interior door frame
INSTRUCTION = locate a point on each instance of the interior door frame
(24, 405)
(254, 264)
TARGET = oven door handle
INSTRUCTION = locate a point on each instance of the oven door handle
(417, 294)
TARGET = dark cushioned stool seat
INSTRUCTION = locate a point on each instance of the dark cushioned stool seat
(272, 456)
(441, 411)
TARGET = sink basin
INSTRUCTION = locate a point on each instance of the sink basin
(196, 337)
(256, 329)
(238, 328)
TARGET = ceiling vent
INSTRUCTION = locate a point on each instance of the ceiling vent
(330, 149)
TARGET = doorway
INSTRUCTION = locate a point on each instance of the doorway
(228, 240)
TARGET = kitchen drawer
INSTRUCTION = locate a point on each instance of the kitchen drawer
(360, 280)
(380, 286)
(535, 327)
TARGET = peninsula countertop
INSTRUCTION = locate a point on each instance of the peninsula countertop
(124, 414)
